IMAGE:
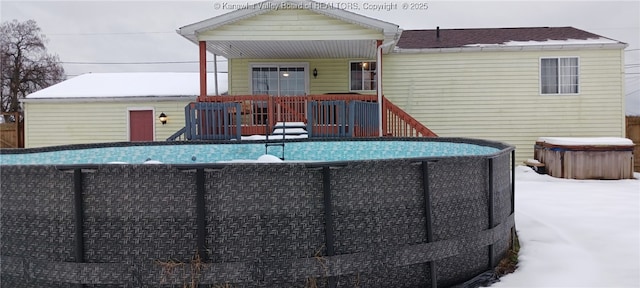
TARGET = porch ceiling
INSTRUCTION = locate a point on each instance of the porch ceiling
(294, 49)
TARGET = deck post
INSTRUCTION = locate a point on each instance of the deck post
(203, 68)
(382, 131)
(215, 73)
(379, 84)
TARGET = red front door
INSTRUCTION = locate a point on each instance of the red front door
(141, 125)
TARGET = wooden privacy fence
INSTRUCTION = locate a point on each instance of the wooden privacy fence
(633, 133)
(12, 133)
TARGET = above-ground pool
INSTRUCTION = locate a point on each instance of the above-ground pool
(414, 212)
(195, 152)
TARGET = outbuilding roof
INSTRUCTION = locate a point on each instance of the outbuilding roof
(130, 84)
(487, 37)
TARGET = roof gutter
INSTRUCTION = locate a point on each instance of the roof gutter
(110, 99)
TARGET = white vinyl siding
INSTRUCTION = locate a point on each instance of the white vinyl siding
(333, 74)
(291, 24)
(559, 75)
(63, 123)
(496, 95)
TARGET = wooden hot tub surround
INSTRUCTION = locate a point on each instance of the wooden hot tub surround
(586, 158)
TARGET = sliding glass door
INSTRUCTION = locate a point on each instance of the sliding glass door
(279, 79)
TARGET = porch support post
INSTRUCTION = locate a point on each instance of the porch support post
(215, 72)
(203, 68)
(381, 46)
(379, 86)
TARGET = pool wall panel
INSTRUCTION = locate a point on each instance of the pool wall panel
(328, 224)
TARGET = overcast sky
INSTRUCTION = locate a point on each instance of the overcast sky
(124, 32)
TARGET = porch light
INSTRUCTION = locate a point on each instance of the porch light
(285, 74)
(163, 118)
(315, 73)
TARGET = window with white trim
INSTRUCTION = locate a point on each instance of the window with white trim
(362, 76)
(559, 75)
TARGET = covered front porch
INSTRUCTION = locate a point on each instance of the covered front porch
(299, 63)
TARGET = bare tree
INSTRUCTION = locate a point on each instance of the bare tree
(25, 65)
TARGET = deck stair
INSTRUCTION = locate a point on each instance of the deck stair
(290, 129)
(282, 131)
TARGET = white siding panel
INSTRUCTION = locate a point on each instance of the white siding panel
(495, 95)
(333, 74)
(293, 24)
(49, 124)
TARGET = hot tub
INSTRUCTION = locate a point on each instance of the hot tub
(586, 158)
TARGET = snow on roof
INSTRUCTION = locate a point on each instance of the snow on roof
(600, 40)
(495, 37)
(592, 141)
(131, 84)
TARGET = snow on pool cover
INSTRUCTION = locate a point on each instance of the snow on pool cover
(212, 153)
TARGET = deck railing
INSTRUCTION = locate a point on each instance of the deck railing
(179, 135)
(328, 115)
(259, 113)
(400, 124)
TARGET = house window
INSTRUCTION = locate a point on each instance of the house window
(363, 76)
(559, 75)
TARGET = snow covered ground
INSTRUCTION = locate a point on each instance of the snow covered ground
(576, 233)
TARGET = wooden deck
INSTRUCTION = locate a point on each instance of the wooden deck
(328, 115)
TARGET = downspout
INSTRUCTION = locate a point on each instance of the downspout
(379, 82)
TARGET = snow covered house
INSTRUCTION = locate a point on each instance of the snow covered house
(109, 107)
(506, 84)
